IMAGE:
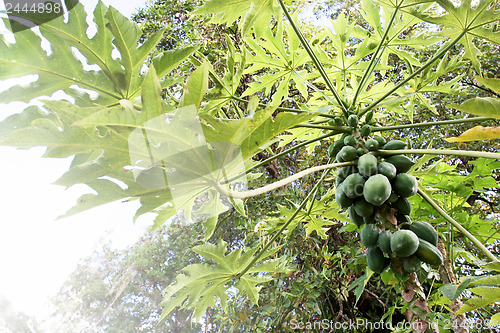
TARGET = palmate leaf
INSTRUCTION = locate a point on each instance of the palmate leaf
(253, 13)
(199, 286)
(271, 52)
(477, 133)
(114, 80)
(324, 212)
(470, 19)
(489, 291)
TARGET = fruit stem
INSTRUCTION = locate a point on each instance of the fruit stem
(284, 152)
(313, 57)
(457, 225)
(437, 56)
(268, 188)
(454, 152)
(285, 225)
(434, 123)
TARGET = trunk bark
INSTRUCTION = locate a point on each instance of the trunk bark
(459, 322)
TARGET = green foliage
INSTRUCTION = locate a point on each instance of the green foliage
(201, 285)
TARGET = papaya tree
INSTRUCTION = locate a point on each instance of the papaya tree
(343, 98)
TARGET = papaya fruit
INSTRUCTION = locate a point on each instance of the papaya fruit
(384, 241)
(403, 219)
(354, 217)
(369, 219)
(381, 141)
(405, 185)
(346, 171)
(404, 243)
(342, 200)
(365, 130)
(338, 181)
(393, 198)
(353, 185)
(338, 121)
(350, 141)
(332, 151)
(363, 208)
(367, 165)
(371, 144)
(339, 158)
(401, 162)
(412, 264)
(387, 169)
(375, 260)
(394, 145)
(403, 206)
(428, 253)
(347, 153)
(369, 116)
(369, 235)
(377, 189)
(360, 151)
(352, 120)
(425, 231)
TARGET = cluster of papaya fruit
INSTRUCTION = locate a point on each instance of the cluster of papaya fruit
(375, 192)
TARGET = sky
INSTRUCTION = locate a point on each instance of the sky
(38, 251)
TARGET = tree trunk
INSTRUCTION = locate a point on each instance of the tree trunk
(459, 322)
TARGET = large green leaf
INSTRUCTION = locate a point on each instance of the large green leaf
(480, 106)
(469, 19)
(285, 63)
(199, 286)
(115, 79)
(253, 13)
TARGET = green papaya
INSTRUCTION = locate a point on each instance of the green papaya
(375, 260)
(338, 121)
(369, 235)
(393, 198)
(346, 171)
(360, 151)
(363, 208)
(353, 185)
(405, 185)
(412, 264)
(381, 141)
(403, 219)
(377, 190)
(365, 130)
(350, 141)
(403, 206)
(404, 243)
(384, 241)
(352, 120)
(371, 144)
(401, 162)
(342, 200)
(394, 145)
(348, 153)
(369, 116)
(387, 169)
(354, 217)
(425, 231)
(332, 151)
(367, 165)
(369, 219)
(428, 253)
